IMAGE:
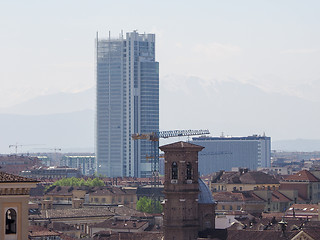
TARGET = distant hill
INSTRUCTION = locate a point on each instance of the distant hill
(236, 109)
(55, 103)
(67, 120)
(67, 131)
(299, 145)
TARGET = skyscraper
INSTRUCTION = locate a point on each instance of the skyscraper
(127, 103)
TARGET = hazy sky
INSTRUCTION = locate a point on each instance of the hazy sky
(48, 46)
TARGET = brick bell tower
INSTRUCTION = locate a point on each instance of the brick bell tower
(181, 189)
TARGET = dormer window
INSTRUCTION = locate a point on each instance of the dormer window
(189, 171)
(174, 170)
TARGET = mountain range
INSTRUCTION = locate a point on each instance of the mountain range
(66, 120)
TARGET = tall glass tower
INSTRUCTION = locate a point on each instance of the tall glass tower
(127, 103)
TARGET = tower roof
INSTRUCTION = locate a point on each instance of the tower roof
(181, 146)
(205, 195)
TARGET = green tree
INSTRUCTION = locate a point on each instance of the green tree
(78, 182)
(144, 204)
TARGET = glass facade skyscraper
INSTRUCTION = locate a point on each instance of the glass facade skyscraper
(127, 102)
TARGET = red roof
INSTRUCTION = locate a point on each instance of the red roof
(304, 176)
(181, 145)
(7, 177)
(279, 197)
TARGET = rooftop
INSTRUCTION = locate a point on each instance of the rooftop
(120, 224)
(302, 176)
(205, 195)
(250, 177)
(10, 178)
(245, 196)
(107, 211)
(181, 145)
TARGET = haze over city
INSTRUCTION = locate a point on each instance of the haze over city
(235, 67)
(163, 120)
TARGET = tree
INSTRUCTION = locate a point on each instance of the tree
(144, 204)
(78, 182)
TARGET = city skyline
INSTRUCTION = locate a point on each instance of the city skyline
(270, 48)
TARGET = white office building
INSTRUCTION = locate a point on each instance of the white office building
(225, 153)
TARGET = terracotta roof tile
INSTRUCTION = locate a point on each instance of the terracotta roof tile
(279, 197)
(120, 224)
(245, 196)
(181, 145)
(37, 231)
(303, 175)
(253, 177)
(313, 232)
(257, 178)
(7, 177)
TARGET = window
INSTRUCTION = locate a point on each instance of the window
(189, 170)
(174, 174)
(11, 221)
(230, 207)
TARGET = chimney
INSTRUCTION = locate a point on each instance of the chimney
(46, 204)
(77, 203)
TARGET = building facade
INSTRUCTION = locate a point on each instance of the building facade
(224, 153)
(86, 164)
(189, 209)
(14, 198)
(52, 173)
(127, 103)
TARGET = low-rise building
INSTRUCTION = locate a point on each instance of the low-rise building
(14, 164)
(243, 180)
(41, 233)
(83, 217)
(113, 195)
(14, 198)
(64, 194)
(304, 211)
(286, 170)
(52, 173)
(238, 201)
(116, 225)
(307, 185)
(264, 228)
(86, 164)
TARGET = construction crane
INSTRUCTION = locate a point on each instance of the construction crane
(154, 138)
(22, 145)
(55, 149)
